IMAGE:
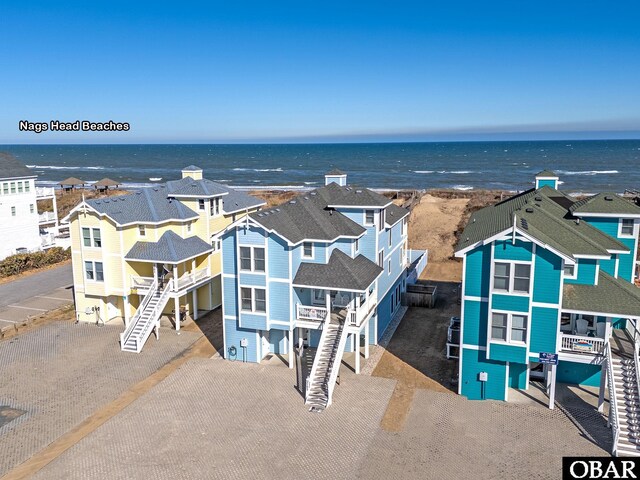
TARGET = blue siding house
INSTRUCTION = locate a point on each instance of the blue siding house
(325, 270)
(546, 274)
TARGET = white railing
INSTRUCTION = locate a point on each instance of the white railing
(47, 239)
(191, 278)
(154, 317)
(45, 192)
(46, 217)
(316, 360)
(142, 283)
(613, 402)
(335, 366)
(124, 336)
(582, 344)
(307, 312)
(356, 316)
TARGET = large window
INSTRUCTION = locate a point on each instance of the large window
(13, 211)
(307, 250)
(570, 271)
(390, 238)
(512, 277)
(369, 217)
(86, 237)
(253, 299)
(381, 220)
(381, 258)
(214, 205)
(626, 227)
(252, 259)
(97, 239)
(5, 189)
(201, 204)
(91, 237)
(509, 327)
(94, 271)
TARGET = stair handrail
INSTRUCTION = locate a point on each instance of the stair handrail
(335, 366)
(154, 314)
(613, 402)
(316, 360)
(124, 336)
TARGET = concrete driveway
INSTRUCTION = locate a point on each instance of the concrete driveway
(35, 294)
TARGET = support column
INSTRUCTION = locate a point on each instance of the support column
(210, 295)
(552, 392)
(194, 296)
(125, 303)
(603, 384)
(526, 385)
(290, 341)
(547, 378)
(176, 303)
(175, 277)
(366, 338)
(356, 337)
(55, 211)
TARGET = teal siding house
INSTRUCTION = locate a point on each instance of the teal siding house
(546, 274)
(326, 270)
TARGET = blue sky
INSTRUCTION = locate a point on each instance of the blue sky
(321, 71)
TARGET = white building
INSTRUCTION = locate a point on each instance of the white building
(22, 228)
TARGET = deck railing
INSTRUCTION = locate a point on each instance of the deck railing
(356, 316)
(613, 405)
(45, 192)
(308, 312)
(191, 278)
(46, 217)
(582, 344)
(141, 283)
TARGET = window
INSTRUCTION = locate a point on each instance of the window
(258, 260)
(201, 204)
(509, 327)
(499, 326)
(97, 240)
(13, 187)
(390, 238)
(252, 257)
(245, 258)
(19, 187)
(5, 188)
(94, 271)
(217, 245)
(13, 211)
(404, 227)
(512, 277)
(253, 299)
(381, 224)
(381, 258)
(357, 244)
(142, 230)
(214, 205)
(369, 216)
(86, 237)
(27, 186)
(32, 208)
(189, 227)
(626, 227)
(569, 271)
(307, 250)
(319, 297)
(401, 255)
(389, 267)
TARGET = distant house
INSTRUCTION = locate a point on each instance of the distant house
(22, 227)
(150, 253)
(325, 270)
(547, 275)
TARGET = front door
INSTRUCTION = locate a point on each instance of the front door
(266, 347)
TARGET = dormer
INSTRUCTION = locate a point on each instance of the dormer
(193, 172)
(547, 178)
(336, 176)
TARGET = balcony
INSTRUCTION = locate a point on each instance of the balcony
(47, 240)
(581, 344)
(186, 281)
(47, 217)
(43, 193)
(307, 312)
(348, 307)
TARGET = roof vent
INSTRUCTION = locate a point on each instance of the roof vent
(529, 210)
(122, 199)
(292, 202)
(609, 198)
(306, 198)
(538, 199)
(577, 221)
(277, 209)
(138, 193)
(97, 202)
(473, 221)
(312, 193)
(358, 191)
(525, 224)
(261, 214)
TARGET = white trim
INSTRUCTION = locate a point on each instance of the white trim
(512, 274)
(359, 207)
(486, 241)
(574, 276)
(597, 272)
(633, 228)
(617, 267)
(462, 300)
(473, 347)
(545, 305)
(313, 251)
(607, 215)
(475, 299)
(253, 310)
(592, 257)
(509, 315)
(203, 195)
(600, 314)
(506, 382)
(252, 259)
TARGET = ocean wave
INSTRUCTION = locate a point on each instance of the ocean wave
(462, 187)
(60, 167)
(423, 171)
(240, 169)
(310, 183)
(588, 172)
(455, 172)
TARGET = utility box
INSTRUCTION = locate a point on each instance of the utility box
(483, 376)
(244, 343)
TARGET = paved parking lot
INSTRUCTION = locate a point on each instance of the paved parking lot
(35, 294)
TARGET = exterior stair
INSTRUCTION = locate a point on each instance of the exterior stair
(326, 364)
(625, 419)
(146, 318)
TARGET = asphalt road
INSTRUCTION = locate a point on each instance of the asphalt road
(35, 294)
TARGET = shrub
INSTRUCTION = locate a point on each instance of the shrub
(24, 262)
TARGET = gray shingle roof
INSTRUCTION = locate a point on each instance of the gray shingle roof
(191, 168)
(189, 187)
(605, 203)
(610, 296)
(72, 181)
(147, 205)
(306, 217)
(171, 248)
(352, 196)
(544, 214)
(236, 201)
(546, 173)
(11, 167)
(394, 214)
(335, 172)
(341, 273)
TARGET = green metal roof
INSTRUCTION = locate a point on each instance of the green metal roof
(545, 215)
(605, 203)
(546, 173)
(611, 296)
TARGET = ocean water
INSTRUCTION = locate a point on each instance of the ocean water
(583, 166)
